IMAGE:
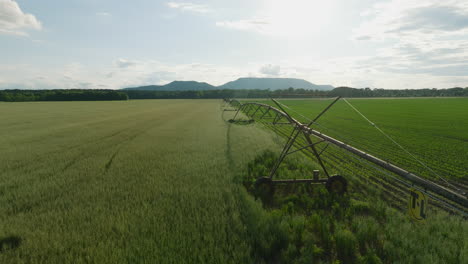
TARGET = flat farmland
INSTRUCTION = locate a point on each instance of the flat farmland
(434, 130)
(149, 181)
(161, 181)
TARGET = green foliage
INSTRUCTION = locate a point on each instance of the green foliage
(292, 93)
(61, 95)
(346, 245)
(370, 258)
(367, 92)
(196, 93)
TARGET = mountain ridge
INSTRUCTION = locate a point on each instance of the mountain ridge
(176, 86)
(245, 83)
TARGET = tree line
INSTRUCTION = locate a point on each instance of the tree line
(367, 92)
(297, 93)
(61, 95)
(105, 95)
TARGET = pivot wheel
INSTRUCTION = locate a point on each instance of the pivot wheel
(264, 188)
(337, 184)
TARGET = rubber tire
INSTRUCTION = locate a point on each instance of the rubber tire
(264, 188)
(337, 184)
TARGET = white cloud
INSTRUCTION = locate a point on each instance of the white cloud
(270, 70)
(425, 18)
(103, 14)
(258, 25)
(189, 7)
(426, 37)
(13, 21)
(298, 18)
(124, 63)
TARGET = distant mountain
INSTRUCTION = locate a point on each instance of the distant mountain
(272, 84)
(346, 91)
(177, 86)
(239, 84)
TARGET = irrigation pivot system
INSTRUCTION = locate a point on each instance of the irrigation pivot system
(276, 117)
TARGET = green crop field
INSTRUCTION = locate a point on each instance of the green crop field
(160, 181)
(112, 182)
(434, 130)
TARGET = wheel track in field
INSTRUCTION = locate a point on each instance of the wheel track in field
(92, 142)
(37, 163)
(46, 155)
(228, 151)
(150, 124)
(121, 145)
(106, 140)
(105, 143)
(25, 207)
(108, 143)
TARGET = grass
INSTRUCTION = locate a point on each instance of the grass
(124, 182)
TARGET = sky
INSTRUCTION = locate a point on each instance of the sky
(112, 44)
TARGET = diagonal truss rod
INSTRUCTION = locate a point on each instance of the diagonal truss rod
(311, 145)
(292, 138)
(302, 148)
